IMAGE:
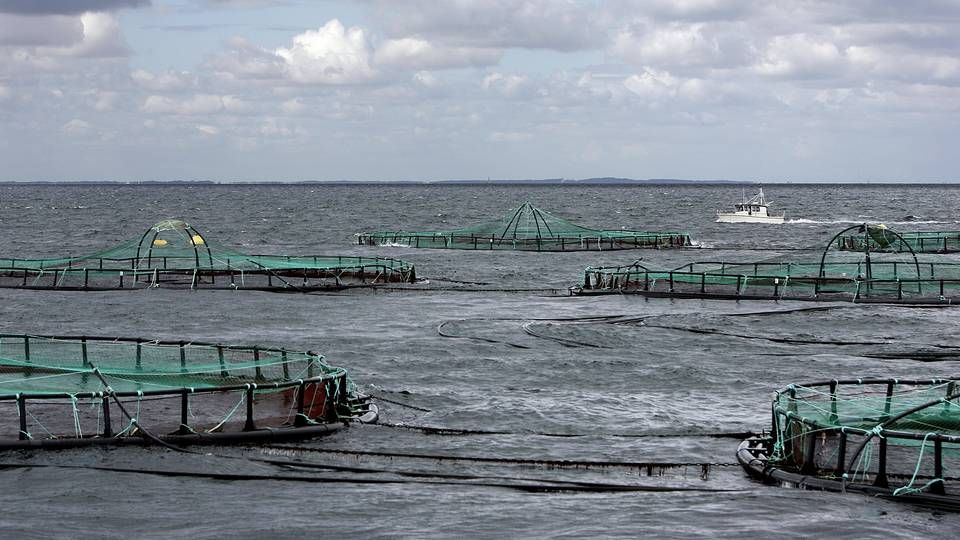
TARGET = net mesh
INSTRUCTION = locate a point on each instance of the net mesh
(832, 273)
(59, 387)
(880, 238)
(173, 253)
(528, 228)
(904, 435)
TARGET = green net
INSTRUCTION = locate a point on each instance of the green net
(173, 253)
(900, 434)
(62, 387)
(830, 274)
(528, 228)
(879, 238)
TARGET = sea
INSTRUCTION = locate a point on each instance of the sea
(490, 377)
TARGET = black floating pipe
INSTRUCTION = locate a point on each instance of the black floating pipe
(249, 425)
(107, 425)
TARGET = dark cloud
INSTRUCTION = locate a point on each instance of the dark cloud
(65, 7)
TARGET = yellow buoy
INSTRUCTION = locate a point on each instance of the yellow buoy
(197, 240)
(159, 242)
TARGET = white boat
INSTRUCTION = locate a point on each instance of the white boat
(753, 210)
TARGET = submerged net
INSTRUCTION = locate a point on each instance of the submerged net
(67, 388)
(173, 253)
(883, 276)
(900, 434)
(531, 229)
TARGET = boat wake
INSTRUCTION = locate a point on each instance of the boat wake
(802, 221)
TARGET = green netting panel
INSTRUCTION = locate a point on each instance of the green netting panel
(831, 274)
(897, 434)
(528, 228)
(36, 365)
(173, 253)
(61, 391)
(881, 239)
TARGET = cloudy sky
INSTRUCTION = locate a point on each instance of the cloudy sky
(771, 90)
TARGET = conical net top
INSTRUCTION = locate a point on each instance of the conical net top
(529, 223)
(528, 228)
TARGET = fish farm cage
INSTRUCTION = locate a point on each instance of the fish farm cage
(71, 391)
(528, 228)
(879, 238)
(174, 254)
(839, 275)
(892, 438)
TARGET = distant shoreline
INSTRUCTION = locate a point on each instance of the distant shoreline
(596, 182)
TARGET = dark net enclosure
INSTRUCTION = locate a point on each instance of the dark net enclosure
(66, 391)
(835, 275)
(897, 439)
(173, 253)
(528, 228)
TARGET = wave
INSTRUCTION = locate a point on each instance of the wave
(802, 221)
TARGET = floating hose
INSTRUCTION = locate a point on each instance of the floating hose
(536, 486)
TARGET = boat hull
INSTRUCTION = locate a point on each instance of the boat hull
(738, 218)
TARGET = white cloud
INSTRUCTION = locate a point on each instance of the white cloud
(244, 60)
(198, 104)
(331, 54)
(563, 25)
(652, 85)
(417, 53)
(336, 55)
(101, 37)
(426, 79)
(207, 129)
(880, 61)
(508, 85)
(278, 129)
(105, 101)
(468, 73)
(801, 56)
(293, 106)
(691, 10)
(163, 82)
(676, 45)
(510, 136)
(76, 128)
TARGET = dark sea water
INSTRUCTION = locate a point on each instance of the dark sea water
(525, 364)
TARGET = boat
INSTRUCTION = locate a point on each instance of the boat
(753, 210)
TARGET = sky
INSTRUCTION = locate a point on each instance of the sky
(424, 90)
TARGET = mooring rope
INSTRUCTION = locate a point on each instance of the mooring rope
(134, 421)
(550, 463)
(437, 430)
(400, 403)
(534, 485)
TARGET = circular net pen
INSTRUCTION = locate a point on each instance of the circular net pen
(879, 238)
(528, 228)
(174, 254)
(837, 275)
(60, 392)
(897, 439)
